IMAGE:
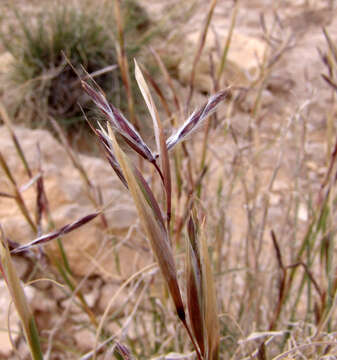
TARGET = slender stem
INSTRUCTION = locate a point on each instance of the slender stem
(193, 342)
(168, 213)
(159, 171)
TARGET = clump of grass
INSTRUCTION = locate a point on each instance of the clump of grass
(43, 83)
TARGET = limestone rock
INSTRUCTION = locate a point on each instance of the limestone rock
(243, 59)
(85, 339)
(249, 100)
(5, 301)
(91, 248)
(6, 60)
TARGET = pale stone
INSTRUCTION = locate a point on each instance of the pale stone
(248, 103)
(5, 301)
(6, 60)
(90, 248)
(303, 212)
(21, 266)
(244, 55)
(85, 339)
(43, 303)
(107, 293)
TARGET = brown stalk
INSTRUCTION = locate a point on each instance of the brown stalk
(330, 82)
(167, 78)
(17, 194)
(41, 199)
(194, 286)
(310, 276)
(285, 282)
(331, 45)
(227, 46)
(188, 205)
(10, 196)
(201, 44)
(212, 325)
(282, 283)
(123, 62)
(157, 89)
(7, 120)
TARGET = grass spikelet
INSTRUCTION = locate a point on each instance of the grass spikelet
(107, 145)
(196, 119)
(119, 123)
(123, 351)
(58, 233)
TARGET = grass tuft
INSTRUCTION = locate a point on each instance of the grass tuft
(43, 84)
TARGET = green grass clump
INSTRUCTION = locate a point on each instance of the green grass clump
(43, 83)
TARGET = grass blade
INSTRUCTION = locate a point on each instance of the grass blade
(18, 296)
(194, 286)
(159, 136)
(210, 304)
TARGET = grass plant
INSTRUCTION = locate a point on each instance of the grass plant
(39, 76)
(260, 289)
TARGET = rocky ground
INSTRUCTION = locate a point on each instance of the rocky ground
(289, 138)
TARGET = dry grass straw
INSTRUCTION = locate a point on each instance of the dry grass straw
(17, 294)
(123, 61)
(199, 50)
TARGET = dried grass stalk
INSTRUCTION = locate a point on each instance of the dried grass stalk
(194, 286)
(212, 326)
(16, 291)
